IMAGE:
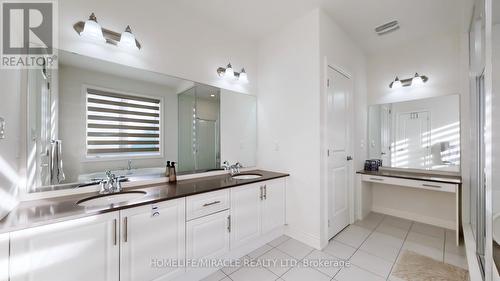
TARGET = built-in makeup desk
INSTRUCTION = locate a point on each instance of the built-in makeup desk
(422, 197)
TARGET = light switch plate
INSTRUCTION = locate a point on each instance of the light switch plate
(2, 128)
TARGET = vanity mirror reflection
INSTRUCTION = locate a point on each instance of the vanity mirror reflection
(89, 116)
(418, 134)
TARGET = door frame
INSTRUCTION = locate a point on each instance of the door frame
(324, 147)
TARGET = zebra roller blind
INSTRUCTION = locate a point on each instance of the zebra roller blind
(122, 125)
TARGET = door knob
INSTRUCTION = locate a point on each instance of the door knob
(349, 158)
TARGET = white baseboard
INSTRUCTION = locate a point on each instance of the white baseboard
(415, 217)
(470, 249)
(304, 237)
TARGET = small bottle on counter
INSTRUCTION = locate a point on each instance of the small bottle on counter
(173, 174)
(167, 170)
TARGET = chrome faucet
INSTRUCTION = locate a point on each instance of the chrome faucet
(111, 184)
(129, 165)
(233, 169)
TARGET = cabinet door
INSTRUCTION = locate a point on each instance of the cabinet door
(4, 257)
(82, 249)
(208, 237)
(245, 214)
(152, 241)
(273, 205)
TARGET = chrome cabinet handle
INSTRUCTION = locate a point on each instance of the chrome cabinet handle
(125, 229)
(229, 223)
(377, 179)
(431, 185)
(261, 193)
(115, 232)
(212, 203)
(265, 192)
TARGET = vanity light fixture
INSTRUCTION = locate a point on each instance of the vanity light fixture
(230, 74)
(127, 39)
(414, 81)
(91, 30)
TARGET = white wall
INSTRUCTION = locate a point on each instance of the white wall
(288, 120)
(337, 49)
(436, 57)
(10, 97)
(174, 41)
(72, 126)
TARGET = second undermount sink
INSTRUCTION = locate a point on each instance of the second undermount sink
(112, 198)
(246, 176)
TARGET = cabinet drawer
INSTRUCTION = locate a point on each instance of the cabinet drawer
(207, 203)
(428, 185)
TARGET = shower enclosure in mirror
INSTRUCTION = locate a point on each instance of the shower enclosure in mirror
(90, 116)
(418, 134)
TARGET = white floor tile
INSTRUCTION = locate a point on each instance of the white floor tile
(426, 240)
(372, 263)
(423, 250)
(393, 231)
(276, 242)
(260, 251)
(355, 273)
(323, 262)
(235, 265)
(216, 276)
(339, 249)
(253, 274)
(383, 246)
(302, 273)
(456, 260)
(295, 248)
(396, 222)
(353, 236)
(371, 221)
(428, 230)
(277, 261)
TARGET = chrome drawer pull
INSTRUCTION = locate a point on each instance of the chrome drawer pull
(377, 179)
(433, 186)
(210, 204)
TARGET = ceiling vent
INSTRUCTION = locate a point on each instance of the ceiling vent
(387, 27)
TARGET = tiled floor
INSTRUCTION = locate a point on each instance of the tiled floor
(372, 247)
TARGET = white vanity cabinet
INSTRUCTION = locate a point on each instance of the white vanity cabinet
(80, 249)
(273, 205)
(256, 209)
(208, 237)
(151, 237)
(4, 257)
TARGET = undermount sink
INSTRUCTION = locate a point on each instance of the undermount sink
(112, 198)
(246, 176)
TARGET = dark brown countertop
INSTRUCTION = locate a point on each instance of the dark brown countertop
(414, 176)
(45, 211)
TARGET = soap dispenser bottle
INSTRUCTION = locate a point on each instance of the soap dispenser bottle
(173, 174)
(167, 170)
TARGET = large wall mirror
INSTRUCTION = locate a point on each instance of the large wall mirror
(418, 134)
(89, 116)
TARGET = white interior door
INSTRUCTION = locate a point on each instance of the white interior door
(339, 89)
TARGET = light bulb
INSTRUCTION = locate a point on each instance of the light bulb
(127, 40)
(243, 76)
(417, 80)
(397, 83)
(92, 30)
(229, 72)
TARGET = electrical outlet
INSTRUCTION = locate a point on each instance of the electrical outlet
(2, 128)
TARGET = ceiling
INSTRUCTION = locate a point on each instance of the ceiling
(259, 18)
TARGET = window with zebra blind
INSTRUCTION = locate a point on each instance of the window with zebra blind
(122, 125)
